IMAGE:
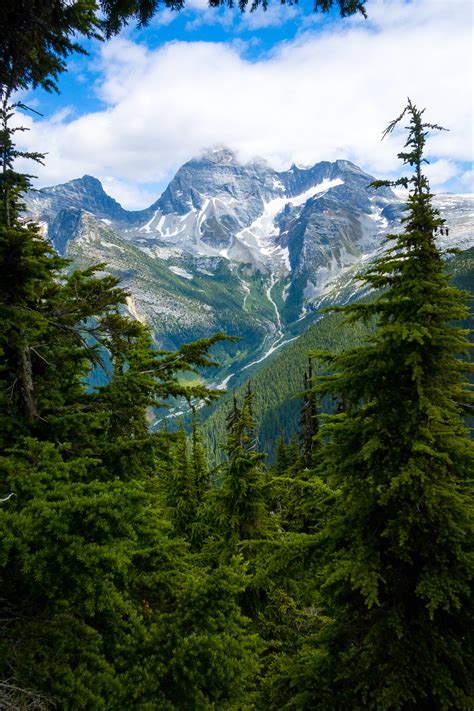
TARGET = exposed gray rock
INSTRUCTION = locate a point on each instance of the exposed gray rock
(235, 247)
(84, 193)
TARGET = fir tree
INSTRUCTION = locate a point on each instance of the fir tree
(399, 558)
(241, 499)
(198, 459)
(183, 490)
(309, 419)
(281, 456)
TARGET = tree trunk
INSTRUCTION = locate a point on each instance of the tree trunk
(25, 378)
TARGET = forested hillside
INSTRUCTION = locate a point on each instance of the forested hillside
(276, 386)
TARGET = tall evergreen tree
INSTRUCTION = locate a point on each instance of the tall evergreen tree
(182, 497)
(241, 498)
(101, 608)
(399, 558)
(309, 419)
(281, 456)
(198, 459)
(294, 485)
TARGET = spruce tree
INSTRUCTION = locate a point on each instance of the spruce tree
(295, 487)
(198, 459)
(182, 492)
(309, 419)
(399, 547)
(241, 498)
(281, 456)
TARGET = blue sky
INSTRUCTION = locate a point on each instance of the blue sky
(287, 85)
(256, 34)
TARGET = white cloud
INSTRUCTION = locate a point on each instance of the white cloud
(440, 171)
(164, 17)
(203, 15)
(326, 95)
(467, 180)
(275, 16)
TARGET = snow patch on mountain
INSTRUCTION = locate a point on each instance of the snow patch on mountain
(181, 272)
(260, 237)
(373, 225)
(158, 252)
(147, 227)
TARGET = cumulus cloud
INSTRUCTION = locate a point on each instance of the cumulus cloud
(440, 171)
(327, 94)
(467, 180)
(275, 16)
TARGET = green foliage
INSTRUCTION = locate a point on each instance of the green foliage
(12, 183)
(275, 386)
(103, 605)
(340, 577)
(309, 425)
(199, 459)
(240, 508)
(100, 604)
(399, 557)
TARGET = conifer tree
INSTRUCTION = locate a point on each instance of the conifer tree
(294, 483)
(281, 456)
(182, 496)
(101, 608)
(241, 499)
(309, 419)
(399, 556)
(233, 416)
(198, 459)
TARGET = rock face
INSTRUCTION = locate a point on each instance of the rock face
(234, 246)
(84, 193)
(244, 212)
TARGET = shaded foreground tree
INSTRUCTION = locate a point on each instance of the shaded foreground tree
(101, 606)
(37, 36)
(397, 579)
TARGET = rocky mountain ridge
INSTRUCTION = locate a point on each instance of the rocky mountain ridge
(235, 247)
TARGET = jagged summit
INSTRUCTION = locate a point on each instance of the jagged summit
(233, 246)
(87, 181)
(220, 154)
(247, 212)
(84, 193)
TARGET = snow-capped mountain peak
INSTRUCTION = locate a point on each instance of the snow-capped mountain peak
(234, 246)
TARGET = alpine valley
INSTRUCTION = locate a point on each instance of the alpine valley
(238, 248)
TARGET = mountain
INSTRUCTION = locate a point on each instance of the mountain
(178, 305)
(277, 410)
(235, 247)
(84, 193)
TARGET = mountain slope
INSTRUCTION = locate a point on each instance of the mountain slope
(234, 247)
(276, 385)
(178, 307)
